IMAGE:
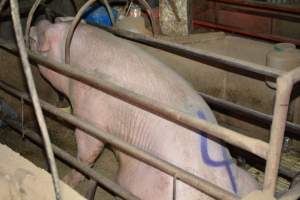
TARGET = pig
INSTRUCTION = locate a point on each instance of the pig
(128, 66)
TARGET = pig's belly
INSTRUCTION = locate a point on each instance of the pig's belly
(149, 183)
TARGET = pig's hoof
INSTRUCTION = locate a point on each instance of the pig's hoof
(73, 179)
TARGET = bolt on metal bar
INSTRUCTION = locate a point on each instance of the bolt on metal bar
(285, 85)
(186, 177)
(70, 160)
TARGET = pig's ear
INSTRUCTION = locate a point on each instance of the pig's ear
(44, 44)
(38, 40)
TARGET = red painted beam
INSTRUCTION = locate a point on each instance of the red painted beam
(267, 6)
(269, 37)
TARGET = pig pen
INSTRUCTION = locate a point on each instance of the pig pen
(270, 152)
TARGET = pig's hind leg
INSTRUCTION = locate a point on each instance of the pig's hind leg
(88, 150)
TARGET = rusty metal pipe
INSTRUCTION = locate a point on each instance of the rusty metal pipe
(262, 5)
(284, 88)
(131, 150)
(75, 163)
(265, 36)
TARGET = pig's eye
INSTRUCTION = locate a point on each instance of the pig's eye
(32, 42)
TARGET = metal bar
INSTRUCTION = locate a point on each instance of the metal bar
(14, 5)
(261, 12)
(285, 84)
(213, 59)
(99, 81)
(270, 37)
(267, 6)
(233, 109)
(131, 150)
(70, 160)
(292, 194)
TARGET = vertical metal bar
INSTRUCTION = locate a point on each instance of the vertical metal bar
(284, 88)
(34, 96)
(170, 169)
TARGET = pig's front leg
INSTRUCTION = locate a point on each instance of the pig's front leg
(88, 150)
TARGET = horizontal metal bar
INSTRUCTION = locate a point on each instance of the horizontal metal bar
(213, 59)
(99, 81)
(233, 109)
(194, 181)
(108, 184)
(265, 36)
(261, 12)
(255, 146)
(262, 5)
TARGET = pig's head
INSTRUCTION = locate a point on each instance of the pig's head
(38, 39)
(48, 39)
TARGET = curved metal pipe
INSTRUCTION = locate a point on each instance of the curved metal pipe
(29, 21)
(145, 4)
(74, 24)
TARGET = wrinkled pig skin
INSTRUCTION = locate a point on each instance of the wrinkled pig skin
(130, 67)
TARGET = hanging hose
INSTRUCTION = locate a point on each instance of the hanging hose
(29, 20)
(34, 96)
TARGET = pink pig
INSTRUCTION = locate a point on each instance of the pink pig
(130, 67)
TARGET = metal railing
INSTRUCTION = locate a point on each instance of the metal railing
(269, 151)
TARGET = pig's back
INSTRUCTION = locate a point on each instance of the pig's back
(131, 67)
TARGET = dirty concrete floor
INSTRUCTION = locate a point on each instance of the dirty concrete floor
(63, 137)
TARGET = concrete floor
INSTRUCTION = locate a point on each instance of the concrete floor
(63, 137)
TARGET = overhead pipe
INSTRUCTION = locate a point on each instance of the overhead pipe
(131, 150)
